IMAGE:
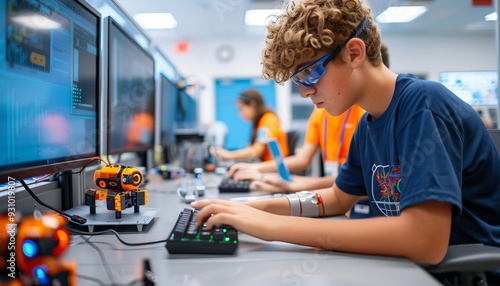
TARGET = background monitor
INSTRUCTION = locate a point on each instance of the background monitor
(190, 107)
(478, 88)
(168, 99)
(185, 116)
(49, 86)
(131, 93)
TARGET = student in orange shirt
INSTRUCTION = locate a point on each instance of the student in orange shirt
(266, 125)
(333, 143)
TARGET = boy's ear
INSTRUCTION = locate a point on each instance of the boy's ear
(356, 52)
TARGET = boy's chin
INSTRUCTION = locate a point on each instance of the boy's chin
(335, 110)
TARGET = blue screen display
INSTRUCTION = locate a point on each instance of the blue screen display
(474, 87)
(49, 82)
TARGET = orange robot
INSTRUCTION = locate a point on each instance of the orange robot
(34, 247)
(121, 184)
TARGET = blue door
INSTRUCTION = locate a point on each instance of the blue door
(226, 93)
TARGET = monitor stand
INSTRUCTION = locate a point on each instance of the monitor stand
(106, 218)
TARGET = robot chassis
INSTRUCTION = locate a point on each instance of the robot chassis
(119, 187)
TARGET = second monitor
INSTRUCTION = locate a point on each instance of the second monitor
(131, 93)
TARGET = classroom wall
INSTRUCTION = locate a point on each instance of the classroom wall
(419, 54)
(432, 54)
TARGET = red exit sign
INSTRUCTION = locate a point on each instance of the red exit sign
(482, 2)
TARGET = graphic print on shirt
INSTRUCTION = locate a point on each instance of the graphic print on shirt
(385, 188)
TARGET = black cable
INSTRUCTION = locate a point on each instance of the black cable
(58, 174)
(103, 258)
(104, 261)
(75, 218)
(117, 236)
(84, 277)
(39, 201)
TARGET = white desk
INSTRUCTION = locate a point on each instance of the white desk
(256, 262)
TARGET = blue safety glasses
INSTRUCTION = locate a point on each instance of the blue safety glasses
(310, 74)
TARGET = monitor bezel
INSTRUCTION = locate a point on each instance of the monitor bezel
(55, 165)
(117, 151)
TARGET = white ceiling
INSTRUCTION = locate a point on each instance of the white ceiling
(199, 19)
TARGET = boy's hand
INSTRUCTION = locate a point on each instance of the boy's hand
(239, 215)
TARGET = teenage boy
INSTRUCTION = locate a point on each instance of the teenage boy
(331, 135)
(422, 155)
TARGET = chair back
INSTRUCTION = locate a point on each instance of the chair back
(292, 138)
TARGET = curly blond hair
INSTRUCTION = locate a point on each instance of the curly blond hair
(310, 26)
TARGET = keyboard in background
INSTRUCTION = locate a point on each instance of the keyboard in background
(187, 238)
(230, 185)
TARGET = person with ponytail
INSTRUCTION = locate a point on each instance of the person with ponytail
(265, 126)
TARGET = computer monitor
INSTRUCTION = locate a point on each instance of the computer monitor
(185, 116)
(131, 93)
(478, 88)
(49, 86)
(190, 106)
(168, 105)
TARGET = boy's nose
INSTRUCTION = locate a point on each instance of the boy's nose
(306, 91)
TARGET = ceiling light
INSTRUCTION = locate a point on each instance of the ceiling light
(155, 20)
(37, 22)
(401, 14)
(260, 17)
(491, 17)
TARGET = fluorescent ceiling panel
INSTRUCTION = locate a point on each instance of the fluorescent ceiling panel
(401, 14)
(155, 20)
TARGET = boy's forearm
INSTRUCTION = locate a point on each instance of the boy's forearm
(420, 241)
(307, 183)
(279, 206)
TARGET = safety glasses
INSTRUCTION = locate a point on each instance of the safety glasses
(311, 74)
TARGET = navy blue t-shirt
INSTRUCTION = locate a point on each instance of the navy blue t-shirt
(429, 145)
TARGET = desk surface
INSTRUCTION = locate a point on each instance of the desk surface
(256, 262)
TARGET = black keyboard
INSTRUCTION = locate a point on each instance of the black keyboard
(230, 185)
(187, 238)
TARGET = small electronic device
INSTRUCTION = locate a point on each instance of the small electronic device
(188, 238)
(191, 188)
(40, 243)
(278, 157)
(120, 188)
